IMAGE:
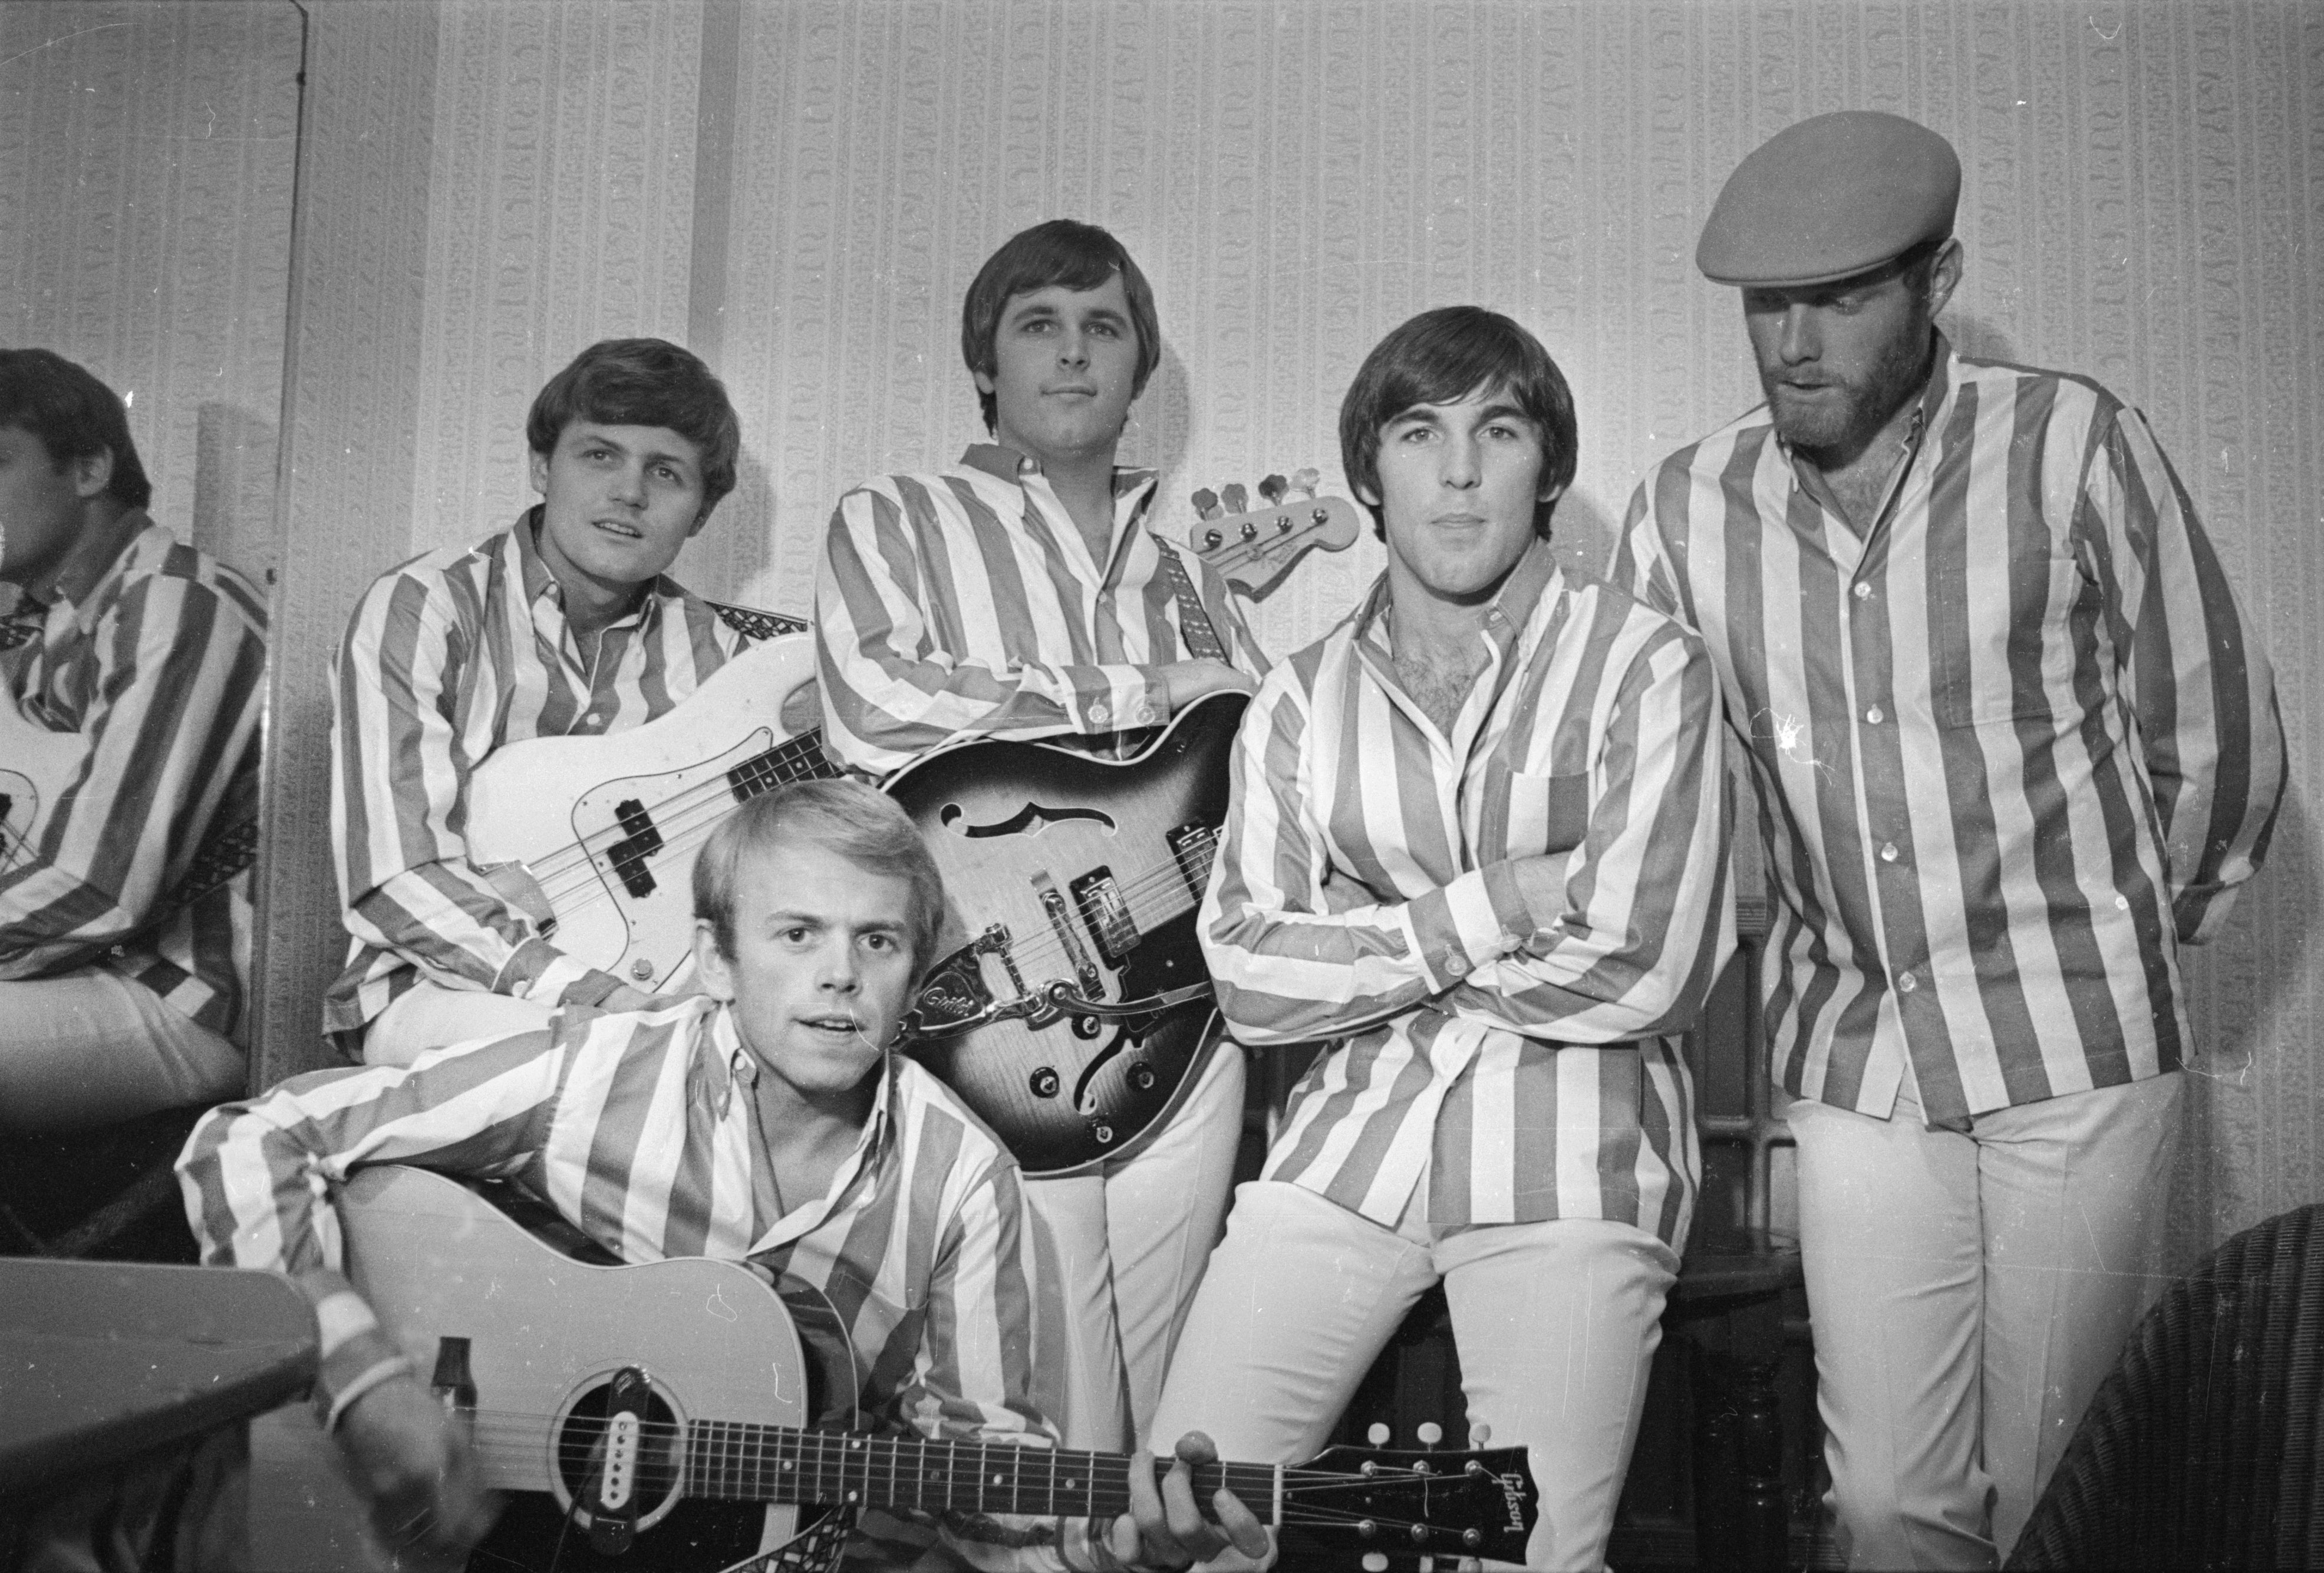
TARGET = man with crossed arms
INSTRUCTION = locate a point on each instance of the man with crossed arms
(2013, 748)
(1477, 839)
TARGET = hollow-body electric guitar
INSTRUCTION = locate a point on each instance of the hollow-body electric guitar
(664, 1409)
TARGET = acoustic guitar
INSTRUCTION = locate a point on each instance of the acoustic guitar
(663, 1416)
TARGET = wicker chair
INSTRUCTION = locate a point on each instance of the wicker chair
(2201, 1449)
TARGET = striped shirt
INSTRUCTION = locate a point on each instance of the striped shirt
(447, 658)
(2012, 745)
(641, 1130)
(1365, 891)
(965, 604)
(155, 655)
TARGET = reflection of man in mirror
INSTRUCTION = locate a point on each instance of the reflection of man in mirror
(2015, 749)
(134, 669)
(1021, 594)
(565, 623)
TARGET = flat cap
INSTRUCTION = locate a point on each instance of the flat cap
(1829, 197)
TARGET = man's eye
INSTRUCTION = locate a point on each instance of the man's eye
(880, 941)
(794, 936)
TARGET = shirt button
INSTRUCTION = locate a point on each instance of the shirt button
(1874, 715)
(1888, 852)
(1906, 983)
(1863, 592)
(1100, 711)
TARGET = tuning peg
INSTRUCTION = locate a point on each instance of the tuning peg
(1479, 1434)
(1237, 500)
(1378, 1434)
(1272, 488)
(1306, 481)
(1429, 1432)
(1206, 504)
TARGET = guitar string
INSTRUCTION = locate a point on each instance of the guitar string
(816, 1465)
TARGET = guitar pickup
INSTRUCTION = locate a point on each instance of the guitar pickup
(1194, 846)
(1106, 911)
(629, 856)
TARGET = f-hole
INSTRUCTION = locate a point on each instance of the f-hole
(1030, 820)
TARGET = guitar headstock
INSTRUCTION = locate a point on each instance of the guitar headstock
(1252, 548)
(1405, 1503)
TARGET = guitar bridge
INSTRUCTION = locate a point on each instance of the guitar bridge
(1054, 903)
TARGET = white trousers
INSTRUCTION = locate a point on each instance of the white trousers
(91, 1048)
(1123, 1250)
(1556, 1324)
(428, 1016)
(1969, 1291)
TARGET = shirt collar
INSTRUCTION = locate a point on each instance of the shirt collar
(736, 1070)
(1003, 463)
(92, 557)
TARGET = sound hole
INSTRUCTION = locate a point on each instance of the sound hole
(1030, 819)
(581, 1450)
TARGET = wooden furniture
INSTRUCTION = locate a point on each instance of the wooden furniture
(109, 1192)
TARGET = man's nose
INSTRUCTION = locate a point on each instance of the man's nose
(630, 483)
(1799, 340)
(1071, 350)
(840, 972)
(1459, 466)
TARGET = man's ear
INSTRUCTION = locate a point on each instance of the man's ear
(540, 467)
(1944, 274)
(710, 968)
(1550, 494)
(92, 472)
(985, 383)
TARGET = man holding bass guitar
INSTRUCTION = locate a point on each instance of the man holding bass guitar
(135, 670)
(764, 1122)
(563, 624)
(1020, 595)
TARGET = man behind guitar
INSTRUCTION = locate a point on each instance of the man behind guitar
(563, 623)
(1478, 835)
(143, 660)
(764, 1122)
(1018, 595)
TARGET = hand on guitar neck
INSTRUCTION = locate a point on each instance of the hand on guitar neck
(414, 1467)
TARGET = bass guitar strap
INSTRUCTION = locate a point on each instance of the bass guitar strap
(1195, 627)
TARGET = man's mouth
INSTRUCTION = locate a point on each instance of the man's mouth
(833, 1024)
(1072, 390)
(616, 527)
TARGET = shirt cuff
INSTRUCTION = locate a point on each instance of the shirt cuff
(540, 972)
(1124, 698)
(1457, 928)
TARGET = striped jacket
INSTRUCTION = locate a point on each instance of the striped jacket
(2013, 747)
(641, 1130)
(1365, 893)
(156, 656)
(965, 604)
(447, 658)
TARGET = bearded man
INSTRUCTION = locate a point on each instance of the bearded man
(2013, 749)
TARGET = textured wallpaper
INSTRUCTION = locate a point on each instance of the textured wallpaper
(804, 190)
(147, 157)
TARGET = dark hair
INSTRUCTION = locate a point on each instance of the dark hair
(1442, 357)
(845, 817)
(644, 382)
(74, 415)
(1062, 251)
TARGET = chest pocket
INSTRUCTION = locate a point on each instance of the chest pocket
(2019, 650)
(1528, 814)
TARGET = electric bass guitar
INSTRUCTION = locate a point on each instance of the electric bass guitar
(658, 1416)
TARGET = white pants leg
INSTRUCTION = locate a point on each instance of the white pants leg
(1556, 1324)
(91, 1048)
(1123, 1250)
(1968, 1291)
(430, 1016)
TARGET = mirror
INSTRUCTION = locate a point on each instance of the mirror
(148, 152)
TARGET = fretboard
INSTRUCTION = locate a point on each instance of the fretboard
(741, 1462)
(799, 758)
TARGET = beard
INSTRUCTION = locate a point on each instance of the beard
(1847, 412)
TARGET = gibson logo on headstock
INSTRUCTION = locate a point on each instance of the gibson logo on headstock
(1513, 1495)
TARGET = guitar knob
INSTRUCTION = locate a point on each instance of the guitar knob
(1045, 1082)
(1141, 1077)
(641, 969)
(1429, 1432)
(1473, 1538)
(1104, 1133)
(1378, 1436)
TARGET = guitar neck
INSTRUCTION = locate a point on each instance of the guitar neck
(741, 1462)
(799, 758)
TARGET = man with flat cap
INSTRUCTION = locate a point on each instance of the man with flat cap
(2013, 749)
